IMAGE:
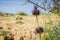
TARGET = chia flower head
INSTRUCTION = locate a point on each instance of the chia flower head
(39, 30)
(35, 11)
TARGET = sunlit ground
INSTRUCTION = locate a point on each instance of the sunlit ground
(26, 25)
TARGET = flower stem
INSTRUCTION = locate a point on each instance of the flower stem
(40, 36)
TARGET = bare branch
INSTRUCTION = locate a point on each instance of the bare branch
(36, 4)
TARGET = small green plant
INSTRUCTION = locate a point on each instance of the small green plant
(52, 31)
(46, 37)
(4, 33)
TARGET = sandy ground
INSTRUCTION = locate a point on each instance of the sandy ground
(28, 26)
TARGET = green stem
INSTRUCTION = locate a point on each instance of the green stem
(37, 20)
(40, 36)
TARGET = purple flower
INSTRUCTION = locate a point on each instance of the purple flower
(39, 30)
(35, 11)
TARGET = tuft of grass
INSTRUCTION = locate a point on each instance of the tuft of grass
(52, 31)
(20, 22)
(4, 33)
(9, 26)
(19, 18)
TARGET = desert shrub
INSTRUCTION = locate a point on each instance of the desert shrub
(12, 14)
(1, 14)
(22, 13)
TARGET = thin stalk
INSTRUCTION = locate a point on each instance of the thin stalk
(40, 36)
(50, 19)
(37, 20)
